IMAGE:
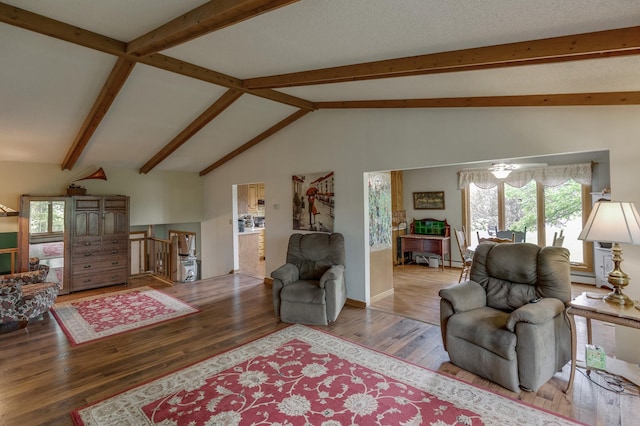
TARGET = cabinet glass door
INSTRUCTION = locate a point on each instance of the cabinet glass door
(45, 226)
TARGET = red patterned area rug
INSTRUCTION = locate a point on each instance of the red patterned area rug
(303, 376)
(90, 318)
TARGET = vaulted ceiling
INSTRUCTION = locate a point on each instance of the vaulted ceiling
(188, 85)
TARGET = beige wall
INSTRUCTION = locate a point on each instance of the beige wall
(351, 143)
(156, 198)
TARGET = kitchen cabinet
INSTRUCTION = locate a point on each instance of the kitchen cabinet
(243, 199)
(255, 192)
(261, 191)
(252, 192)
(261, 245)
(99, 241)
(248, 196)
(248, 246)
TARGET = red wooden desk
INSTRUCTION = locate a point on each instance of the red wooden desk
(427, 244)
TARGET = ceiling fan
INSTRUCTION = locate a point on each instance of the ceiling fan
(502, 170)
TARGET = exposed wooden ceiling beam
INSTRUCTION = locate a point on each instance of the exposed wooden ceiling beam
(618, 42)
(204, 19)
(568, 99)
(110, 90)
(262, 136)
(228, 98)
(195, 71)
(41, 24)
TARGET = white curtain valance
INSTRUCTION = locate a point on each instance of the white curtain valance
(548, 176)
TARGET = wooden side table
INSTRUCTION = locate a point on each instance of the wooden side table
(597, 309)
(427, 244)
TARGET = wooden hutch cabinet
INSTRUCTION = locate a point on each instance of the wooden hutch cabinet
(99, 241)
(83, 239)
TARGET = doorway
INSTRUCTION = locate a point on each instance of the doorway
(249, 222)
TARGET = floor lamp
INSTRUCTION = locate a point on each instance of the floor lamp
(614, 222)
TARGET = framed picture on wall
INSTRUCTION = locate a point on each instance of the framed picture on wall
(428, 200)
(313, 205)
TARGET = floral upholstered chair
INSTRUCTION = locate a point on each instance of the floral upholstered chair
(26, 295)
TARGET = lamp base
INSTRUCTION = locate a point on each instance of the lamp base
(616, 297)
(618, 279)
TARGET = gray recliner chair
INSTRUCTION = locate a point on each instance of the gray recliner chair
(507, 323)
(310, 287)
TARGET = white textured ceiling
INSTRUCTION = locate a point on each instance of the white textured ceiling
(47, 86)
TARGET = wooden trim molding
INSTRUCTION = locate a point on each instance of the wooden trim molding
(382, 295)
(356, 303)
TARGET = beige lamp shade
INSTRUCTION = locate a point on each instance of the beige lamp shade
(614, 222)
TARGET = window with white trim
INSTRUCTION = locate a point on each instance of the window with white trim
(539, 201)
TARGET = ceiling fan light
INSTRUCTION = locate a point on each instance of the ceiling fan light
(501, 173)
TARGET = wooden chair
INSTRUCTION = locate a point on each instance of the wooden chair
(558, 240)
(496, 239)
(466, 255)
(519, 236)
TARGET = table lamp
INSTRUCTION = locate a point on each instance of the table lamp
(614, 222)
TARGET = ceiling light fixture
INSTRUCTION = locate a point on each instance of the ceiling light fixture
(502, 170)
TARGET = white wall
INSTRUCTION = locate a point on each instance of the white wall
(351, 142)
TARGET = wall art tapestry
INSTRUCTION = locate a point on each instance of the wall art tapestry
(380, 215)
(313, 202)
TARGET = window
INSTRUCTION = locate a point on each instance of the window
(46, 218)
(538, 203)
(483, 212)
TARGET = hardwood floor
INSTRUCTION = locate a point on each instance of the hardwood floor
(44, 378)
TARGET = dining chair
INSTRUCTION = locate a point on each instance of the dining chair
(519, 236)
(466, 254)
(558, 240)
(497, 240)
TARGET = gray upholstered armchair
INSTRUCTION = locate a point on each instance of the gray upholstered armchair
(507, 323)
(310, 287)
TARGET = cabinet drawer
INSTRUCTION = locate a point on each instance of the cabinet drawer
(98, 264)
(115, 251)
(94, 243)
(117, 242)
(81, 254)
(87, 281)
(412, 244)
(115, 203)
